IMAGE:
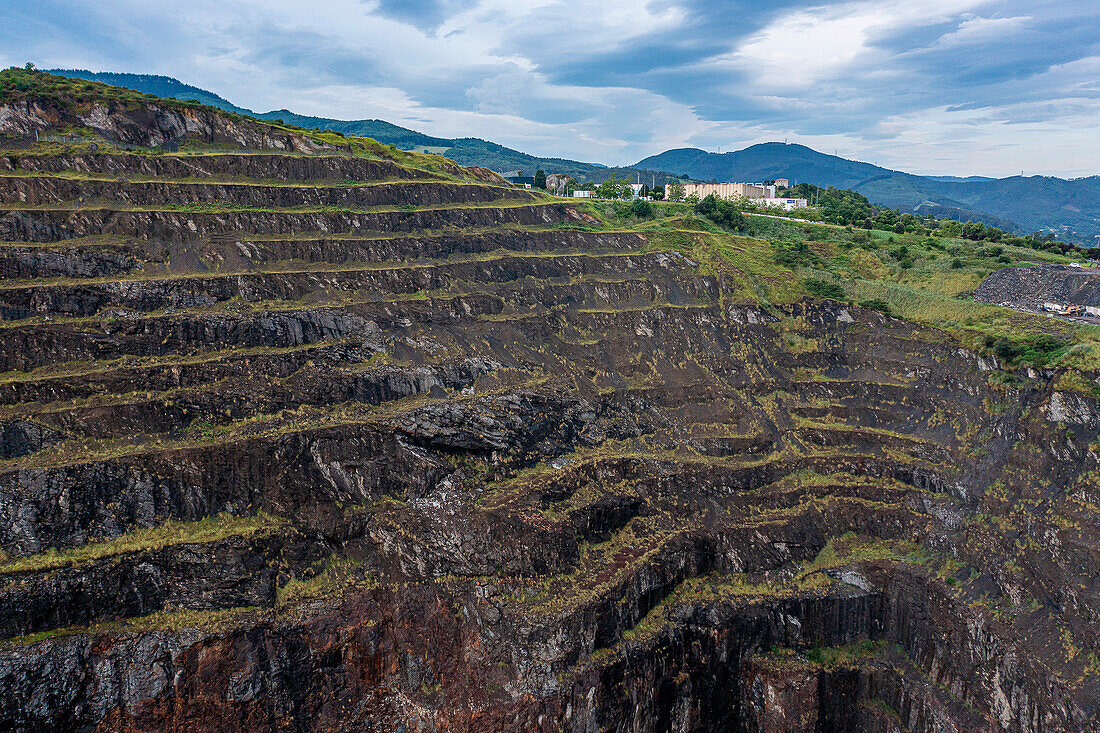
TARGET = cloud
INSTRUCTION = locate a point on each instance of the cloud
(940, 86)
(427, 14)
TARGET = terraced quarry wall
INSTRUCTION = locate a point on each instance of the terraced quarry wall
(340, 443)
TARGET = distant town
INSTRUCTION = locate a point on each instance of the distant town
(760, 194)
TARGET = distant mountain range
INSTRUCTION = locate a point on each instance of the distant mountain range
(1070, 208)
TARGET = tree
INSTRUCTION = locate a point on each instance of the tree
(613, 188)
(658, 193)
(540, 178)
(886, 219)
(29, 66)
(973, 230)
(675, 191)
(949, 228)
(641, 208)
(722, 212)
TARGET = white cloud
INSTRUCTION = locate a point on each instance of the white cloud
(807, 47)
(982, 30)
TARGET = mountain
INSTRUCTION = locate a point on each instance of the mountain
(1070, 208)
(466, 151)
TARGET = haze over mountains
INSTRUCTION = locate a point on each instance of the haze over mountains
(1070, 208)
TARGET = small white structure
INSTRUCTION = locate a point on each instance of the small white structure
(584, 194)
(635, 191)
(787, 204)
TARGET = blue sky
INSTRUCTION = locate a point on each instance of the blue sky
(956, 87)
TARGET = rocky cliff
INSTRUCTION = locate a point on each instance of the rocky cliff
(345, 439)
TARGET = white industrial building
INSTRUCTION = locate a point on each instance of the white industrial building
(786, 204)
(755, 192)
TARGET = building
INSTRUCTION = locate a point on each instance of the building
(556, 183)
(782, 183)
(725, 190)
(636, 191)
(584, 194)
(517, 178)
(786, 204)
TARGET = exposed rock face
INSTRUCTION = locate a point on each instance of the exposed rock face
(415, 450)
(152, 124)
(1028, 288)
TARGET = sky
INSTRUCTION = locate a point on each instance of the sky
(935, 87)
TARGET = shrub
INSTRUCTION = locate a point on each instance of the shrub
(956, 264)
(824, 288)
(721, 212)
(876, 304)
(1037, 350)
(795, 254)
(641, 208)
(866, 264)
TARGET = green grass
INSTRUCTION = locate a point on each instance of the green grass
(337, 575)
(210, 529)
(917, 278)
(230, 208)
(171, 619)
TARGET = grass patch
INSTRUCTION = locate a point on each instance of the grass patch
(337, 575)
(210, 529)
(175, 620)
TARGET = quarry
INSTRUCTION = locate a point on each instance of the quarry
(302, 432)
